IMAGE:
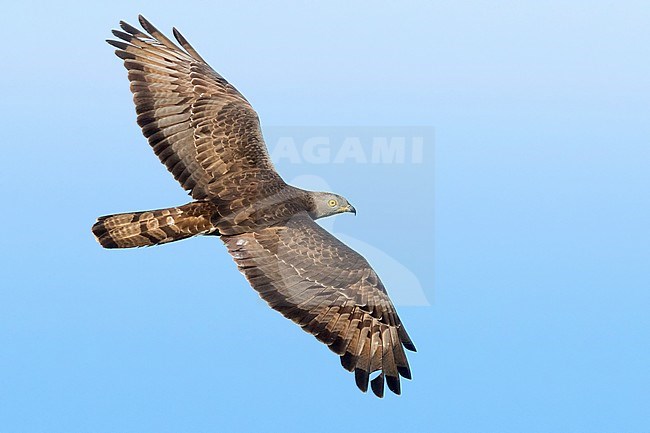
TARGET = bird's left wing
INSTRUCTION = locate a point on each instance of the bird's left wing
(331, 291)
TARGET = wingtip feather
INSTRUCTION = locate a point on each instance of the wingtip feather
(394, 384)
(117, 44)
(361, 378)
(186, 45)
(144, 22)
(377, 385)
(405, 372)
(410, 346)
(129, 28)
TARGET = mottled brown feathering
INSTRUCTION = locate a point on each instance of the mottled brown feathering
(330, 290)
(208, 136)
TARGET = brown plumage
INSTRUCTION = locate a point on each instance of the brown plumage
(208, 136)
(154, 227)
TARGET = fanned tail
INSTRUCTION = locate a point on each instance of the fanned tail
(154, 227)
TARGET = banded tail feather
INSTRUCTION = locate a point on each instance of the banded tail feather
(154, 227)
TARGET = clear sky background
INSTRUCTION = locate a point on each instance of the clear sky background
(524, 231)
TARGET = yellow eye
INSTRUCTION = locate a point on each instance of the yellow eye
(332, 203)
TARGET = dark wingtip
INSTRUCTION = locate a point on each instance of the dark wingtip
(128, 37)
(410, 346)
(361, 378)
(117, 44)
(129, 28)
(124, 55)
(178, 35)
(393, 384)
(405, 372)
(377, 385)
(186, 45)
(146, 24)
(143, 21)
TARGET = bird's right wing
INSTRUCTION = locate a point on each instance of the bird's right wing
(203, 130)
(331, 291)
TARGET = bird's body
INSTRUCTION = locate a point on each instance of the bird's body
(208, 136)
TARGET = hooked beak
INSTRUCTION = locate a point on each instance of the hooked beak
(350, 208)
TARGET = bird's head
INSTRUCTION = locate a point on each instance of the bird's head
(326, 204)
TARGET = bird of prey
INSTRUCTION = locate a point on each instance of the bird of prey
(208, 136)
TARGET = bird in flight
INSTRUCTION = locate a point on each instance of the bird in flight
(208, 136)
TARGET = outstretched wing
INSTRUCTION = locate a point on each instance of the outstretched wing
(331, 291)
(198, 124)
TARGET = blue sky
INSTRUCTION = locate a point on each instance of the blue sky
(518, 245)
